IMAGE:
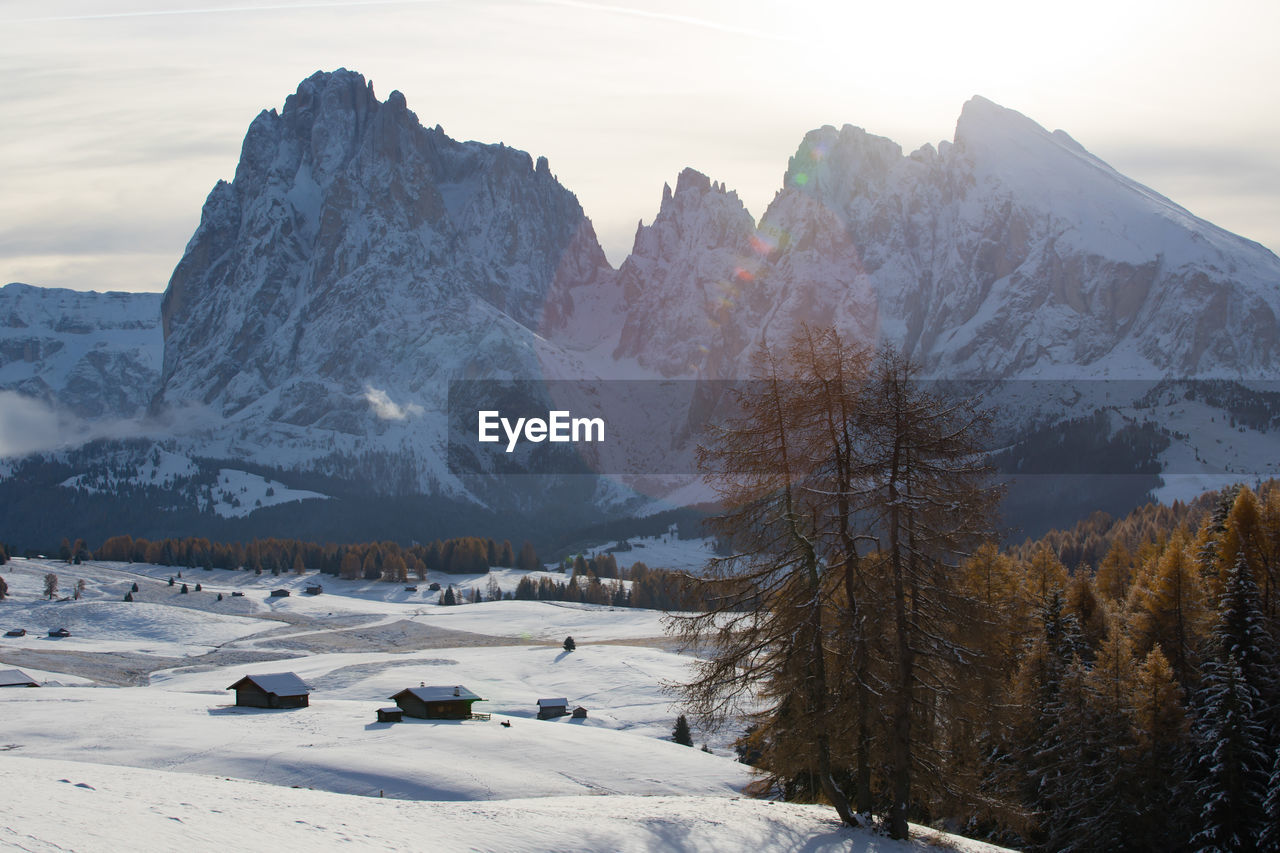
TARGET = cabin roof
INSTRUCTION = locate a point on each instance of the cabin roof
(441, 693)
(279, 683)
(553, 703)
(10, 677)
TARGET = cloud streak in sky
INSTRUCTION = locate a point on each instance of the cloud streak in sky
(216, 10)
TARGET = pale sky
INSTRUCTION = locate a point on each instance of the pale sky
(118, 116)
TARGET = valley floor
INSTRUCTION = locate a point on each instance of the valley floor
(133, 741)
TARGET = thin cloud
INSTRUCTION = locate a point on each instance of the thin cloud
(27, 425)
(31, 425)
(386, 409)
(218, 10)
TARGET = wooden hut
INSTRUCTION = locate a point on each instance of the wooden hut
(436, 702)
(549, 709)
(315, 589)
(579, 713)
(273, 690)
(390, 715)
(279, 593)
(16, 678)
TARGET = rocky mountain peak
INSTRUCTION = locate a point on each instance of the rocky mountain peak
(356, 249)
(693, 264)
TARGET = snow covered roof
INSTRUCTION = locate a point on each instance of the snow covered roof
(441, 693)
(15, 678)
(279, 683)
(553, 703)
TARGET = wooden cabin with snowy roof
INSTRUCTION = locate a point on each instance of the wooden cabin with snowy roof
(16, 678)
(438, 702)
(549, 709)
(272, 690)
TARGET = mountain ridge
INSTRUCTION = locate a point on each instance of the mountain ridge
(358, 262)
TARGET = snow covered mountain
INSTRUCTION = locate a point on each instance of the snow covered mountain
(1011, 252)
(94, 355)
(358, 263)
(682, 280)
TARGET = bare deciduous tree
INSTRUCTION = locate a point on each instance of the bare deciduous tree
(849, 490)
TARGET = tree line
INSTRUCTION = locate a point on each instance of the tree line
(387, 561)
(1133, 703)
(588, 575)
(1110, 687)
(652, 589)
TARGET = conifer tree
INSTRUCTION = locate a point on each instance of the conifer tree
(350, 566)
(681, 734)
(1234, 708)
(1232, 769)
(1172, 612)
(528, 560)
(1057, 783)
(1269, 839)
(1115, 571)
(1041, 739)
(1162, 741)
(1105, 771)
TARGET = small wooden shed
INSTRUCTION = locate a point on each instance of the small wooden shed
(16, 678)
(315, 589)
(59, 632)
(272, 690)
(551, 708)
(438, 702)
(390, 715)
(579, 713)
(279, 593)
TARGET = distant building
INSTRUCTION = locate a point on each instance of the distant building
(438, 702)
(59, 632)
(16, 632)
(579, 713)
(279, 593)
(16, 678)
(314, 589)
(551, 708)
(390, 715)
(273, 690)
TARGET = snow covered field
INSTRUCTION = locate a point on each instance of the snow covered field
(135, 743)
